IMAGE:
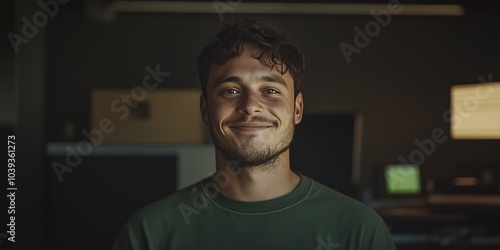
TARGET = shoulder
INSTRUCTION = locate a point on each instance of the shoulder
(167, 208)
(345, 207)
(361, 225)
(149, 227)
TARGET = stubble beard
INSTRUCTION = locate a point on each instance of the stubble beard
(250, 155)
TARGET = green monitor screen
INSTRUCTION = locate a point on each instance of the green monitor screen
(402, 179)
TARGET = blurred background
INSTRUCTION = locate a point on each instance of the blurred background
(402, 109)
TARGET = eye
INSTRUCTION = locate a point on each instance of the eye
(230, 91)
(271, 91)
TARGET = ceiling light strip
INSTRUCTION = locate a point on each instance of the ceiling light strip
(286, 8)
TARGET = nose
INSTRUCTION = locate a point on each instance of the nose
(250, 104)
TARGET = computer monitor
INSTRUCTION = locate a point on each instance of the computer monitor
(402, 179)
(393, 181)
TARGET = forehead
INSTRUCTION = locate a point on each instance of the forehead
(247, 68)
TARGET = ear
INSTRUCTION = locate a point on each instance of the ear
(299, 108)
(204, 109)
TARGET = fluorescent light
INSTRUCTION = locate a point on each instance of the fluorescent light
(475, 111)
(285, 8)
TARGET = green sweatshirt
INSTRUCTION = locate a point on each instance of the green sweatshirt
(312, 216)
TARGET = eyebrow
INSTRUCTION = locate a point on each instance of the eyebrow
(273, 78)
(266, 78)
(227, 79)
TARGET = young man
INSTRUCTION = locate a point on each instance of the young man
(251, 80)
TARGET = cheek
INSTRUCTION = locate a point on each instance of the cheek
(281, 109)
(220, 111)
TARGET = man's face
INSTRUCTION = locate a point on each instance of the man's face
(250, 109)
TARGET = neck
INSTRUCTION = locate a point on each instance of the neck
(257, 183)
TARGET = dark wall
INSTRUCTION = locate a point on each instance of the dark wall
(8, 115)
(399, 83)
(89, 210)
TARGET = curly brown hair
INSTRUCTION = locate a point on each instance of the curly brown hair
(274, 49)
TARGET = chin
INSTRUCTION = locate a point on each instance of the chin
(256, 156)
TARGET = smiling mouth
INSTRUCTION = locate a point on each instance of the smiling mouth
(250, 126)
